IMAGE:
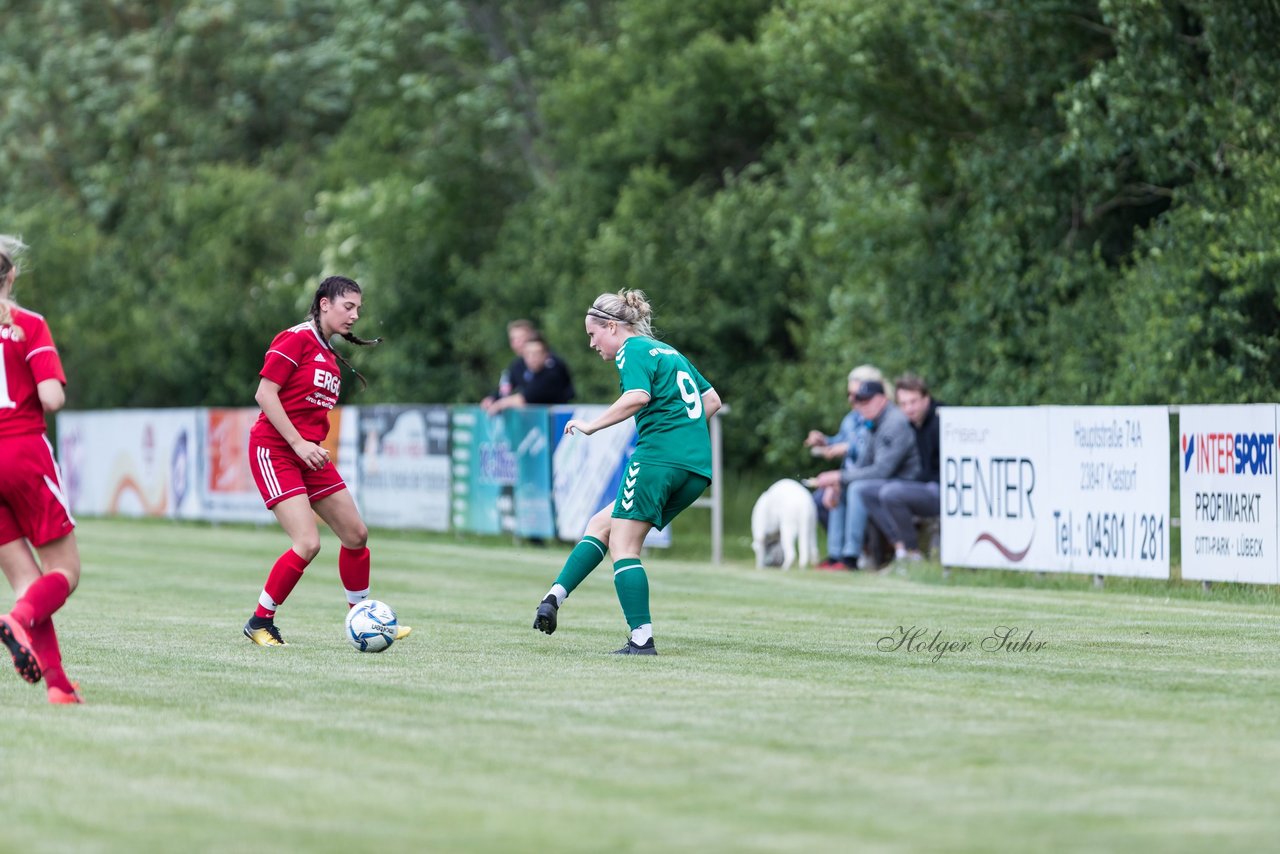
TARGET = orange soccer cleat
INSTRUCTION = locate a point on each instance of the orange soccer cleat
(59, 697)
(14, 636)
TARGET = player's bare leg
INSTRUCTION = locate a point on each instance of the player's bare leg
(21, 570)
(299, 523)
(62, 556)
(340, 513)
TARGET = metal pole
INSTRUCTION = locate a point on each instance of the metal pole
(717, 492)
(716, 500)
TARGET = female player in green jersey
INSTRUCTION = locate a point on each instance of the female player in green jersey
(670, 469)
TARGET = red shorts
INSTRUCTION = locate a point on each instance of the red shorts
(33, 502)
(280, 474)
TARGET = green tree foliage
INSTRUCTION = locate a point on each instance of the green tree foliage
(1185, 115)
(1046, 201)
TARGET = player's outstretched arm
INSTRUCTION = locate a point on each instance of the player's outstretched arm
(620, 410)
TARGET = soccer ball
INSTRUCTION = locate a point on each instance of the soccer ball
(371, 626)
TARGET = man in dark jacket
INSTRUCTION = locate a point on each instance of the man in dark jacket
(542, 378)
(899, 503)
(518, 332)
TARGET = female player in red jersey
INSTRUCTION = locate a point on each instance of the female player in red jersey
(299, 386)
(33, 504)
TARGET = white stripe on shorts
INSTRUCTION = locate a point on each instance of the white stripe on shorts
(55, 486)
(268, 473)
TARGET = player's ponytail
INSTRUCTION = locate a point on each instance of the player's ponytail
(332, 289)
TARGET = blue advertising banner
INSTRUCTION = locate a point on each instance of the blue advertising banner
(529, 431)
(484, 472)
(502, 471)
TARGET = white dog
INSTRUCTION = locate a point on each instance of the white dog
(785, 513)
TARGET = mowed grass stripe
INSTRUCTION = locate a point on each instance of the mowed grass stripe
(770, 721)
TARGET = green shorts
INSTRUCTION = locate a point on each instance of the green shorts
(656, 493)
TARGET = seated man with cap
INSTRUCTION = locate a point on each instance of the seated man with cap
(890, 455)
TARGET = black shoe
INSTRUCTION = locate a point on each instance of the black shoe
(850, 563)
(632, 648)
(545, 621)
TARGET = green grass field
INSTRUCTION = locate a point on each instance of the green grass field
(771, 721)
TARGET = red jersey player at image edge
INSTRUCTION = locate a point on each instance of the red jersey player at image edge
(34, 513)
(299, 384)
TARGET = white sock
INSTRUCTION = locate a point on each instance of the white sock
(355, 597)
(558, 591)
(641, 636)
(265, 600)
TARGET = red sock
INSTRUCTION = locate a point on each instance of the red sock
(353, 569)
(42, 599)
(44, 643)
(284, 576)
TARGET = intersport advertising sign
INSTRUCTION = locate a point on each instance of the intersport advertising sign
(1227, 475)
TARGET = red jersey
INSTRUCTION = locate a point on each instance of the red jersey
(23, 364)
(306, 369)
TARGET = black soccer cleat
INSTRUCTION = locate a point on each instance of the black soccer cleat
(633, 648)
(545, 621)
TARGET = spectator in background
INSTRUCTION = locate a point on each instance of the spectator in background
(545, 379)
(899, 503)
(844, 514)
(518, 332)
(837, 446)
(891, 453)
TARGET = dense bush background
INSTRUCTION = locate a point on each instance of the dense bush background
(1044, 201)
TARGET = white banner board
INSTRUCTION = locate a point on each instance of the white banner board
(403, 468)
(1227, 478)
(995, 464)
(1057, 489)
(1108, 490)
(130, 462)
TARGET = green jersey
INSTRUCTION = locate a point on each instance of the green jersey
(672, 426)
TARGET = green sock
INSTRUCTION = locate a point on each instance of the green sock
(586, 556)
(633, 590)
